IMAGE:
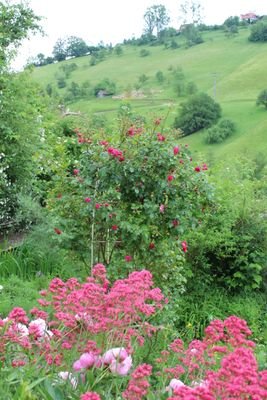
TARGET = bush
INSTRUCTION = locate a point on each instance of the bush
(229, 246)
(262, 98)
(199, 112)
(259, 32)
(132, 198)
(160, 77)
(144, 53)
(107, 86)
(220, 132)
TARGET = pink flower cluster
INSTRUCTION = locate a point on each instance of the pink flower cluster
(138, 384)
(221, 366)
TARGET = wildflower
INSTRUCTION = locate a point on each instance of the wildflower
(197, 169)
(157, 121)
(90, 396)
(58, 231)
(204, 167)
(114, 227)
(170, 178)
(97, 206)
(128, 258)
(87, 200)
(151, 246)
(76, 171)
(175, 222)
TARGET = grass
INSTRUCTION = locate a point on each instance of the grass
(240, 68)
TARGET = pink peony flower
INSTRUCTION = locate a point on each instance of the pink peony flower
(118, 360)
(76, 171)
(128, 258)
(174, 384)
(170, 178)
(87, 200)
(121, 368)
(97, 206)
(197, 169)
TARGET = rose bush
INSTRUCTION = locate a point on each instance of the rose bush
(135, 197)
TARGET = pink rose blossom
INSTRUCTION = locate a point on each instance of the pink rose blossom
(176, 150)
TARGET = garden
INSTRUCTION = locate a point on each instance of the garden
(138, 269)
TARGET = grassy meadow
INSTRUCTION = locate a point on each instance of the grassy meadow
(239, 67)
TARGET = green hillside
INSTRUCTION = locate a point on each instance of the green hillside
(239, 65)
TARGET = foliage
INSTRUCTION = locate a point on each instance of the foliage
(262, 98)
(198, 112)
(160, 76)
(144, 53)
(231, 21)
(106, 85)
(192, 35)
(229, 247)
(115, 204)
(21, 128)
(17, 21)
(76, 47)
(118, 50)
(94, 340)
(156, 18)
(258, 32)
(191, 11)
(218, 133)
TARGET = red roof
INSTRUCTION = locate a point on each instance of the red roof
(249, 16)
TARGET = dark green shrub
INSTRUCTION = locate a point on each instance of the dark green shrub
(220, 132)
(144, 53)
(262, 98)
(229, 246)
(61, 83)
(159, 76)
(106, 86)
(199, 112)
(258, 32)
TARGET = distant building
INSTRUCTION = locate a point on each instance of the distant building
(250, 17)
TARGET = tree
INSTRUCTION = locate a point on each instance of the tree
(191, 12)
(76, 47)
(262, 98)
(259, 32)
(156, 18)
(17, 21)
(20, 109)
(199, 112)
(192, 35)
(60, 50)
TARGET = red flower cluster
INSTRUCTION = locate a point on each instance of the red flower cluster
(115, 153)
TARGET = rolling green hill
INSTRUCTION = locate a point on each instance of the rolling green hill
(239, 65)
